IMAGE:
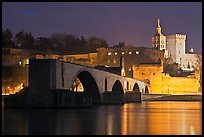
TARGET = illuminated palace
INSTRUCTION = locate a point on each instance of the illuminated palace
(174, 46)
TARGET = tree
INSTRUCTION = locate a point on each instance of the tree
(20, 38)
(94, 43)
(25, 40)
(57, 42)
(171, 69)
(7, 39)
(43, 44)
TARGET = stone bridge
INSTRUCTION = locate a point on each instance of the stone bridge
(47, 75)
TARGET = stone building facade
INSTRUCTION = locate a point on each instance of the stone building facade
(174, 46)
(110, 57)
(159, 40)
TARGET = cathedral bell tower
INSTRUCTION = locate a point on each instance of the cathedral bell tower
(158, 27)
(159, 40)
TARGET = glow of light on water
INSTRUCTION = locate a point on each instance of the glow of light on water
(192, 130)
(125, 122)
(183, 123)
(110, 125)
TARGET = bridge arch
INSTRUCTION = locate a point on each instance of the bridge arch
(117, 87)
(89, 85)
(136, 88)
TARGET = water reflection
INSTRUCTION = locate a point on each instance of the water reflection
(147, 118)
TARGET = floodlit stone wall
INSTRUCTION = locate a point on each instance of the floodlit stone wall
(161, 83)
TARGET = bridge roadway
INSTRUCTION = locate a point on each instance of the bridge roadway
(47, 75)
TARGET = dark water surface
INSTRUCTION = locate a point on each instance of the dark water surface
(146, 118)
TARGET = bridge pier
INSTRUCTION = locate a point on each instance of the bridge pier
(113, 98)
(68, 99)
(131, 96)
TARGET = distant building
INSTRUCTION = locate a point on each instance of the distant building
(174, 46)
(159, 40)
(110, 57)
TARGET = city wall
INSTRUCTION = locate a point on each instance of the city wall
(176, 85)
(161, 83)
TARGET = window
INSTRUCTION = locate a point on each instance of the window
(114, 61)
(153, 73)
(142, 73)
(109, 53)
(108, 61)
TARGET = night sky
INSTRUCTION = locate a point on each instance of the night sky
(133, 23)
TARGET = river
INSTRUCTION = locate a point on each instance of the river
(146, 118)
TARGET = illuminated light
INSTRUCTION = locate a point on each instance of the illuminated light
(77, 86)
(8, 87)
(109, 53)
(123, 53)
(21, 86)
(19, 63)
(116, 53)
(27, 61)
(137, 52)
(114, 61)
(130, 52)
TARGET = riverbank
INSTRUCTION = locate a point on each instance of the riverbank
(166, 97)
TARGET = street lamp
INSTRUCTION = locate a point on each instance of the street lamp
(168, 88)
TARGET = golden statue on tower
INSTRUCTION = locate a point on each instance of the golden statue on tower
(158, 23)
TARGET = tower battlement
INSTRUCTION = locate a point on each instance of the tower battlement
(178, 36)
(123, 48)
